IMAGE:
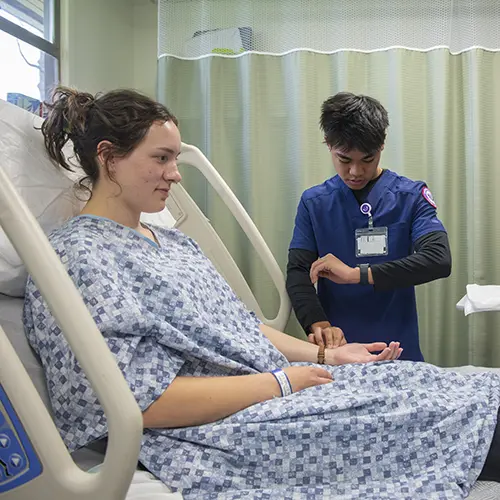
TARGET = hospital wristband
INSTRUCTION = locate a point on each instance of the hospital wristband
(283, 381)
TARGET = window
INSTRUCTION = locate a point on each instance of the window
(29, 51)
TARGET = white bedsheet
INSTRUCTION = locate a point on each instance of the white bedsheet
(146, 487)
(484, 490)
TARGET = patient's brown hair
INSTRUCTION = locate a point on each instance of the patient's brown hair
(122, 117)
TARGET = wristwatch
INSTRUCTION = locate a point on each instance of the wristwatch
(363, 274)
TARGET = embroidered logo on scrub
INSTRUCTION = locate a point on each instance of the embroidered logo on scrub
(426, 193)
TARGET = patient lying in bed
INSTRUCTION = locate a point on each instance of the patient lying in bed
(200, 365)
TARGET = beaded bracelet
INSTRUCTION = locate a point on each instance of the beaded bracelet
(321, 355)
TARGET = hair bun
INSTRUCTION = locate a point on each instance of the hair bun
(74, 107)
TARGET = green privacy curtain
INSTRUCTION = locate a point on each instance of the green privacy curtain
(256, 118)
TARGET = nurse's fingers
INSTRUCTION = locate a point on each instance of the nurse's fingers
(318, 266)
(338, 337)
(318, 335)
(311, 338)
(328, 335)
(314, 340)
(315, 270)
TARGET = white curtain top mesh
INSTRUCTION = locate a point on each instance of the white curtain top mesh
(196, 28)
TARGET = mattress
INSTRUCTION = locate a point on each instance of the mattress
(144, 485)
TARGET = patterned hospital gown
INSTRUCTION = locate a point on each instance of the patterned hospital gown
(397, 430)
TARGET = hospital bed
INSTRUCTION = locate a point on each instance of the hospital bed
(34, 199)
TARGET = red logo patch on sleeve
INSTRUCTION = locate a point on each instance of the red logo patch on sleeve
(426, 193)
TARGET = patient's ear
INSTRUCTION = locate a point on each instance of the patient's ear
(105, 155)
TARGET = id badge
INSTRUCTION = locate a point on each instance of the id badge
(371, 242)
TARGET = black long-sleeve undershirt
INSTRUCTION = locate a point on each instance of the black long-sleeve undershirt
(430, 261)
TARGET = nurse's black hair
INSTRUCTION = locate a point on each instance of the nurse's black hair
(350, 121)
(121, 117)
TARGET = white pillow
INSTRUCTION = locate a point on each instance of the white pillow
(163, 218)
(47, 190)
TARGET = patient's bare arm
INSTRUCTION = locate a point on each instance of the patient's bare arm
(299, 350)
(199, 400)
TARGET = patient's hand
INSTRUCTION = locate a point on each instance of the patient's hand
(362, 353)
(302, 377)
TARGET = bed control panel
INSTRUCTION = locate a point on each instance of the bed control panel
(19, 463)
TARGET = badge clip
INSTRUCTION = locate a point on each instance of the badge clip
(366, 209)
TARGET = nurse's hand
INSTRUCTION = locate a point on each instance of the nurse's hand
(332, 268)
(363, 353)
(325, 334)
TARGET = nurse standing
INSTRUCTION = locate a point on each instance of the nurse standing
(367, 236)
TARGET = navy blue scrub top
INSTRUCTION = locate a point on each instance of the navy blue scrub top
(327, 217)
